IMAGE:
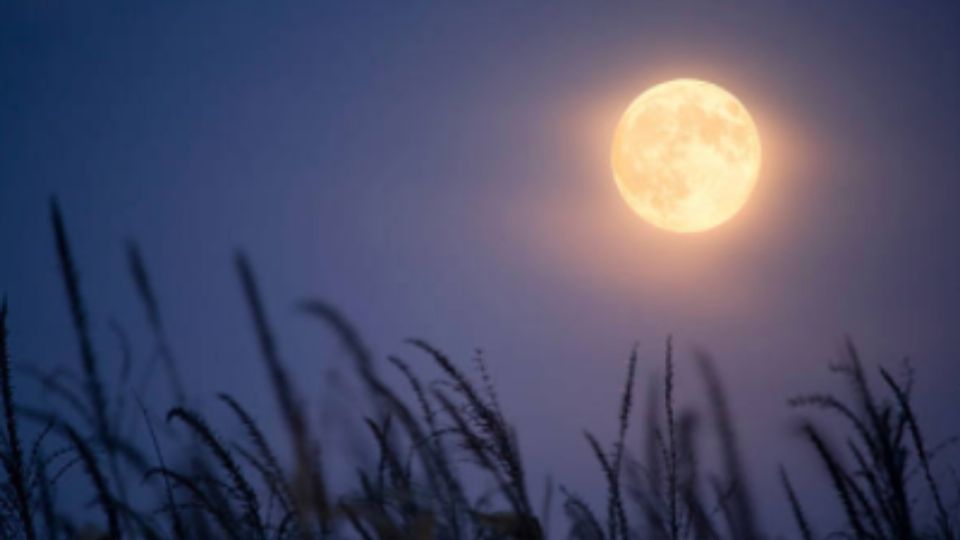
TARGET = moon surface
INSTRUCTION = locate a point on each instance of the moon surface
(686, 155)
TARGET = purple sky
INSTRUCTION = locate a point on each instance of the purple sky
(442, 172)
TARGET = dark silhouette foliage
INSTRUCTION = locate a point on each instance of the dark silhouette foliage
(430, 451)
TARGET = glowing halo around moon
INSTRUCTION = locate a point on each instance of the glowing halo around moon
(686, 155)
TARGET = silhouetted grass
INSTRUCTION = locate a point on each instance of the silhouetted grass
(803, 524)
(141, 279)
(310, 493)
(105, 499)
(89, 362)
(13, 457)
(875, 493)
(434, 453)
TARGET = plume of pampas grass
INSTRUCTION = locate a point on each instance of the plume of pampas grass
(13, 457)
(141, 280)
(104, 497)
(417, 488)
(311, 492)
(223, 456)
(803, 525)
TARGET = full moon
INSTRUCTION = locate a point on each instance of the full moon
(686, 155)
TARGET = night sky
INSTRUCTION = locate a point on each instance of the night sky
(442, 171)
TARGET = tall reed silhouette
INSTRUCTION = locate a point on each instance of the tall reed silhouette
(439, 439)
